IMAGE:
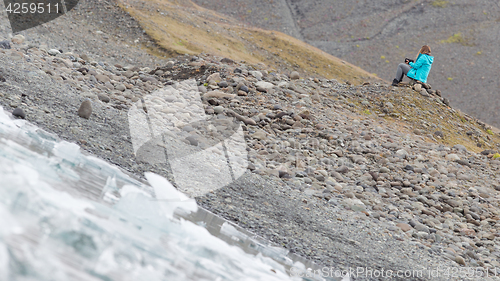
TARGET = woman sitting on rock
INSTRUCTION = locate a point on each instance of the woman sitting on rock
(418, 70)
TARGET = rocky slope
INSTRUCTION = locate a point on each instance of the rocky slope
(364, 175)
(377, 35)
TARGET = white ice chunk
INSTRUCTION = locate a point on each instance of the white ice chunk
(166, 192)
(127, 189)
(4, 262)
(67, 151)
(229, 230)
(109, 189)
(8, 224)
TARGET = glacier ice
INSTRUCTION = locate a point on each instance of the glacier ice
(55, 226)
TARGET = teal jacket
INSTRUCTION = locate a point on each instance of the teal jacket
(420, 69)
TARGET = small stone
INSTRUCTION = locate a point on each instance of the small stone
(439, 134)
(424, 93)
(409, 168)
(214, 78)
(250, 121)
(18, 112)
(283, 174)
(202, 89)
(263, 86)
(244, 88)
(223, 84)
(227, 60)
(460, 147)
(192, 140)
(18, 39)
(102, 78)
(53, 52)
(256, 74)
(294, 75)
(5, 44)
(460, 260)
(103, 97)
(489, 236)
(421, 228)
(467, 232)
(404, 226)
(85, 109)
(170, 64)
(84, 57)
(242, 93)
(109, 85)
(260, 135)
(488, 152)
(120, 87)
(384, 170)
(238, 70)
(342, 169)
(218, 109)
(452, 157)
(2, 79)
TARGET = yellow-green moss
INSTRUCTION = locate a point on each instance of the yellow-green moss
(458, 38)
(439, 3)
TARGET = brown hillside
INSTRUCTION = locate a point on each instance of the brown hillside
(186, 28)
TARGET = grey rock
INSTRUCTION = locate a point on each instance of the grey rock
(460, 147)
(18, 112)
(223, 84)
(192, 140)
(384, 170)
(244, 88)
(53, 52)
(5, 44)
(218, 109)
(102, 78)
(85, 109)
(460, 260)
(488, 152)
(439, 134)
(202, 89)
(120, 87)
(294, 75)
(103, 97)
(421, 228)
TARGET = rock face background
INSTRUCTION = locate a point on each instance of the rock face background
(377, 35)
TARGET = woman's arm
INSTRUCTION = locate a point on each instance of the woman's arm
(418, 63)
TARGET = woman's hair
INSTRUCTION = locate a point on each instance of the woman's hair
(424, 50)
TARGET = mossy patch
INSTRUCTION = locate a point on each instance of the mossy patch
(440, 3)
(458, 38)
